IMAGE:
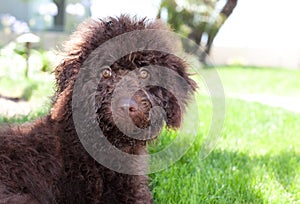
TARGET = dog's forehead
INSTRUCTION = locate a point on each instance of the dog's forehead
(132, 62)
(123, 67)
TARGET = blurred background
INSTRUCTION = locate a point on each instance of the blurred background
(256, 33)
(260, 33)
(254, 45)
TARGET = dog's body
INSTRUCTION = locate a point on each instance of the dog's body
(45, 162)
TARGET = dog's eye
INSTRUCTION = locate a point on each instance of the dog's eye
(144, 74)
(106, 72)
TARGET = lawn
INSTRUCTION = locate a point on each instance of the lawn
(277, 81)
(37, 91)
(256, 160)
(257, 156)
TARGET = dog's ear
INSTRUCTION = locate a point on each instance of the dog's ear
(172, 110)
(173, 104)
(65, 73)
(89, 35)
(60, 109)
(175, 88)
(183, 87)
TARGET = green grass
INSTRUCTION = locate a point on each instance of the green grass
(35, 88)
(39, 112)
(256, 160)
(281, 82)
(257, 156)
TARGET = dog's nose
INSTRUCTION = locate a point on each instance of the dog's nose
(127, 104)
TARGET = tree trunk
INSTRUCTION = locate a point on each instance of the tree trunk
(224, 13)
(228, 8)
(59, 19)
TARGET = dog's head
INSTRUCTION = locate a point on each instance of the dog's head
(138, 90)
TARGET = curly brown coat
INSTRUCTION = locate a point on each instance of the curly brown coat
(45, 162)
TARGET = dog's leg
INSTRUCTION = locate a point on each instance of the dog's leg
(7, 197)
(142, 193)
(127, 189)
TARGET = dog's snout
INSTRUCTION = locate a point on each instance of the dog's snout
(137, 107)
(128, 104)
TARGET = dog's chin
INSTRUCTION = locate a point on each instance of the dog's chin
(139, 128)
(141, 122)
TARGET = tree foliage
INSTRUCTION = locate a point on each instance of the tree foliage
(199, 20)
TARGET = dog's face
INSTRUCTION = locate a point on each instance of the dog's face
(138, 96)
(136, 93)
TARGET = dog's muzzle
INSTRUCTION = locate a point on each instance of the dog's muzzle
(137, 107)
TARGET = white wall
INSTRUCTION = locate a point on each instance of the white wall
(261, 32)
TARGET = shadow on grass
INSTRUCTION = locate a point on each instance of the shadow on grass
(287, 167)
(23, 118)
(229, 177)
(20, 89)
(14, 99)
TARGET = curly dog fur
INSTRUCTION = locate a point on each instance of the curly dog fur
(45, 162)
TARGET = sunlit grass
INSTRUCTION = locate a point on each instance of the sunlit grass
(39, 112)
(256, 160)
(276, 81)
(34, 88)
(257, 157)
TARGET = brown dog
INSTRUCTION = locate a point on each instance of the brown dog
(45, 162)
